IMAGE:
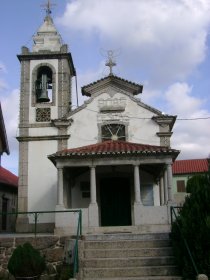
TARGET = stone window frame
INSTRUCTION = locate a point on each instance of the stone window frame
(100, 125)
(34, 77)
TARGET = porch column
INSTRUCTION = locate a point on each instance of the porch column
(137, 208)
(137, 185)
(165, 187)
(93, 220)
(161, 191)
(92, 184)
(169, 179)
(60, 187)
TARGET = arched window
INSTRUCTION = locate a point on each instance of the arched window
(43, 84)
(113, 132)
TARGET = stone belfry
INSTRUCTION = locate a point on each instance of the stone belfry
(45, 99)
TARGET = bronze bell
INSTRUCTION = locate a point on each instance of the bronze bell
(41, 89)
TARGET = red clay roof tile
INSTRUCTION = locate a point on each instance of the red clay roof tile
(8, 178)
(190, 166)
(114, 147)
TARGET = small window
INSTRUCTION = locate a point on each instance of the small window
(85, 189)
(181, 186)
(113, 132)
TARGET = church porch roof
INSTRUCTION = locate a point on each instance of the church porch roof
(114, 148)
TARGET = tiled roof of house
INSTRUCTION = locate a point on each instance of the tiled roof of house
(190, 166)
(114, 148)
(8, 178)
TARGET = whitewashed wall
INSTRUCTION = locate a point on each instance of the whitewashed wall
(84, 129)
(42, 179)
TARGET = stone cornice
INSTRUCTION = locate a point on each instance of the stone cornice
(48, 55)
(165, 120)
(62, 123)
(42, 138)
(164, 134)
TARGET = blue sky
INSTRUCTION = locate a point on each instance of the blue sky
(162, 44)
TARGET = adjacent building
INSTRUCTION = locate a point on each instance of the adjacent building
(182, 171)
(8, 185)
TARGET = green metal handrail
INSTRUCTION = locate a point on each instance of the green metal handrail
(76, 249)
(37, 213)
(173, 212)
(79, 230)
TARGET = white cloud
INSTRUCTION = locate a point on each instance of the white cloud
(10, 107)
(181, 102)
(166, 38)
(2, 67)
(190, 136)
(3, 84)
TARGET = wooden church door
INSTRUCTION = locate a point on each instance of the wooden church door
(115, 202)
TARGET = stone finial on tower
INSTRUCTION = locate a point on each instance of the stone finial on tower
(110, 62)
(47, 37)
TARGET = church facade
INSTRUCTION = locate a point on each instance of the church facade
(110, 157)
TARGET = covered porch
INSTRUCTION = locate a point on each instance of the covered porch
(116, 184)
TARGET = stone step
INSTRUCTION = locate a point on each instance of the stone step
(127, 256)
(127, 244)
(130, 271)
(119, 253)
(125, 262)
(126, 236)
(140, 278)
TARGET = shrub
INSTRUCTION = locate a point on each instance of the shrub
(26, 261)
(66, 272)
(194, 221)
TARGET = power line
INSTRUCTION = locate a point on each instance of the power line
(149, 118)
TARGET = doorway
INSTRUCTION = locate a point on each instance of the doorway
(4, 215)
(115, 202)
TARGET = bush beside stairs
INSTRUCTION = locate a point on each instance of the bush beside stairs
(127, 257)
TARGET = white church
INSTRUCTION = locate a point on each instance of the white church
(110, 157)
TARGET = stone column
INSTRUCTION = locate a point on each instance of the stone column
(137, 185)
(169, 179)
(93, 220)
(92, 184)
(165, 187)
(137, 199)
(161, 191)
(60, 188)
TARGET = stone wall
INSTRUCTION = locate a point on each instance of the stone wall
(52, 247)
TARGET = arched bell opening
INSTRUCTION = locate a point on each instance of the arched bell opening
(43, 84)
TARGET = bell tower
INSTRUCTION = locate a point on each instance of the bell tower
(45, 99)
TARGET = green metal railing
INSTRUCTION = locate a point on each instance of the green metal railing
(76, 251)
(78, 232)
(174, 214)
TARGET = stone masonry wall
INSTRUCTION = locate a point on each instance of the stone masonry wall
(52, 247)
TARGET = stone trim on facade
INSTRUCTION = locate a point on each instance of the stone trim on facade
(43, 138)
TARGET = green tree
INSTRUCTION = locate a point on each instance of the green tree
(194, 221)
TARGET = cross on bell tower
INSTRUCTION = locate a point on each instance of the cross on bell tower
(47, 7)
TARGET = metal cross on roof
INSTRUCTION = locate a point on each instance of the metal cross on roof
(110, 62)
(48, 6)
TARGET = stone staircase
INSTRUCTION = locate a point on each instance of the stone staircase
(127, 257)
